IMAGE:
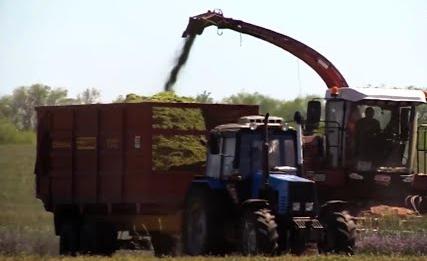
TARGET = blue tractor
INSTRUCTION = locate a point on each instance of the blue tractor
(252, 198)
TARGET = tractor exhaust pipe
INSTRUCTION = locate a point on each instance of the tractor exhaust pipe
(299, 120)
(266, 148)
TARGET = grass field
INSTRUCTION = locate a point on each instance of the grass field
(26, 231)
(24, 225)
(230, 258)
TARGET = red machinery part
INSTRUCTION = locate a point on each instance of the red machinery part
(323, 67)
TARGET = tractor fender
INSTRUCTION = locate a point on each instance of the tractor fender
(255, 204)
(333, 206)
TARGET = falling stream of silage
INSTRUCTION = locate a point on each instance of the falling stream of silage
(179, 63)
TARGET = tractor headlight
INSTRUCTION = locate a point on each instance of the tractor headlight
(309, 206)
(296, 206)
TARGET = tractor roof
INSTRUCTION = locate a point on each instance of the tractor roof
(252, 121)
(385, 94)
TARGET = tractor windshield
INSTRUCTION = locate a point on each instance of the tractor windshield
(379, 134)
(281, 151)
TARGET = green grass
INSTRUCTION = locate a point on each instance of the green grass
(9, 134)
(18, 204)
(127, 257)
(24, 224)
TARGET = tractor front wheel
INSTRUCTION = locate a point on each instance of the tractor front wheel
(340, 236)
(259, 233)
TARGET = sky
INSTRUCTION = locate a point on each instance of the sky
(122, 47)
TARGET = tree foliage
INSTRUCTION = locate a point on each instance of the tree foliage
(204, 97)
(276, 107)
(19, 107)
(89, 96)
(9, 134)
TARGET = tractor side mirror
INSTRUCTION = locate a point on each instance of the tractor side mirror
(214, 143)
(314, 109)
(298, 118)
(405, 114)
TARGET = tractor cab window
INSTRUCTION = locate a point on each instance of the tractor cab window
(281, 152)
(228, 151)
(379, 134)
(220, 161)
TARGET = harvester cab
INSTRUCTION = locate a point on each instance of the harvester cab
(366, 145)
(252, 198)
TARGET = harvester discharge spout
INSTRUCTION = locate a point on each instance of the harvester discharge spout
(198, 23)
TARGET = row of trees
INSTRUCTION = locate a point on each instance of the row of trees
(18, 116)
(18, 107)
(276, 107)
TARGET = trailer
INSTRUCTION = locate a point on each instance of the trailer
(105, 168)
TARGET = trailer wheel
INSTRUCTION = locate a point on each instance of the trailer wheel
(69, 238)
(164, 245)
(259, 233)
(98, 239)
(88, 239)
(340, 234)
(106, 237)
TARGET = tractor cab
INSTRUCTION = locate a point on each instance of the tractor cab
(261, 162)
(236, 149)
(368, 136)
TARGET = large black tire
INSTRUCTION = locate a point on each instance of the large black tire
(164, 245)
(340, 236)
(107, 239)
(88, 239)
(259, 233)
(203, 224)
(68, 238)
(98, 239)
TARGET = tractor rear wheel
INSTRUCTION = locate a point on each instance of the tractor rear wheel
(259, 233)
(197, 226)
(340, 234)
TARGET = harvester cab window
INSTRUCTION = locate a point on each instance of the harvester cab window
(379, 134)
(334, 124)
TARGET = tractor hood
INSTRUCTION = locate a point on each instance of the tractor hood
(291, 190)
(276, 177)
(388, 94)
